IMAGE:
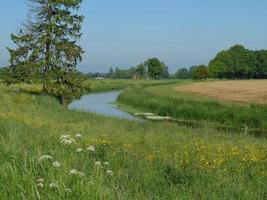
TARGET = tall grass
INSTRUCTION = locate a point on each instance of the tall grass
(147, 160)
(254, 116)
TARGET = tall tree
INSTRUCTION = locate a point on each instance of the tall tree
(154, 67)
(47, 43)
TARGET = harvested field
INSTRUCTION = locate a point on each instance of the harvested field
(247, 91)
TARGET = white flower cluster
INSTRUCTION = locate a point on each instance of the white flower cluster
(45, 157)
(91, 148)
(66, 140)
(56, 164)
(78, 135)
(68, 190)
(40, 183)
(75, 172)
(79, 150)
(110, 172)
(97, 163)
(53, 185)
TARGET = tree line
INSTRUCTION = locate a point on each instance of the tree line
(235, 63)
(151, 68)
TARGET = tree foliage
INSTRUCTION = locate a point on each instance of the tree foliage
(47, 45)
(182, 73)
(141, 70)
(200, 72)
(238, 63)
(155, 68)
(261, 64)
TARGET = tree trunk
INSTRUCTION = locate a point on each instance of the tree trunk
(47, 52)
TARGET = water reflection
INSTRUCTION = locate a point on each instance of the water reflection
(101, 103)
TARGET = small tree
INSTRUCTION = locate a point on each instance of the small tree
(48, 43)
(200, 72)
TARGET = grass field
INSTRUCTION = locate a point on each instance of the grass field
(111, 84)
(244, 91)
(50, 152)
(99, 85)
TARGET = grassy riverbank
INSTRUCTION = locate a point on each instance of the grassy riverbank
(186, 107)
(145, 161)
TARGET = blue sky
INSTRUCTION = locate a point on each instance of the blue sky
(181, 33)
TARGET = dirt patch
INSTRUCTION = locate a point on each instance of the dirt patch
(248, 91)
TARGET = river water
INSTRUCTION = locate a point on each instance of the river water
(101, 103)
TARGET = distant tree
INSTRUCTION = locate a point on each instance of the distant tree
(237, 62)
(111, 73)
(261, 65)
(165, 73)
(154, 67)
(47, 43)
(141, 70)
(182, 73)
(200, 72)
(191, 69)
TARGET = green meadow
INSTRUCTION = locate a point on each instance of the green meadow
(50, 152)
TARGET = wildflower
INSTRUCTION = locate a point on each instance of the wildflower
(56, 164)
(97, 163)
(91, 148)
(45, 157)
(64, 137)
(40, 180)
(110, 172)
(79, 150)
(68, 141)
(81, 174)
(40, 185)
(53, 185)
(68, 190)
(150, 157)
(75, 172)
(106, 163)
(79, 135)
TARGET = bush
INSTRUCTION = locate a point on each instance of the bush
(65, 86)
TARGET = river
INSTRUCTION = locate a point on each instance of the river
(101, 103)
